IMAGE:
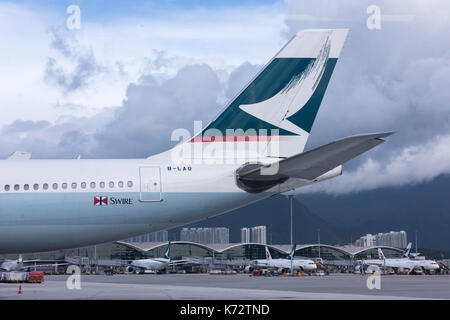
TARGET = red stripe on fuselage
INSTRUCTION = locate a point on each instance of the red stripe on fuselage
(237, 138)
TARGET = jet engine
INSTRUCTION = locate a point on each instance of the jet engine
(129, 269)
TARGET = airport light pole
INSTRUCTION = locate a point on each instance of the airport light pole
(95, 258)
(318, 237)
(416, 241)
(290, 199)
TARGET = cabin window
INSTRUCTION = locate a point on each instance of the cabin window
(130, 184)
(102, 184)
(55, 186)
(64, 185)
(120, 184)
(35, 186)
(74, 185)
(16, 187)
(26, 187)
(111, 184)
(45, 186)
(7, 187)
(92, 185)
(83, 185)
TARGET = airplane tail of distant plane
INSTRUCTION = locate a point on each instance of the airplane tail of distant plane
(167, 253)
(281, 102)
(292, 253)
(380, 254)
(407, 251)
(268, 256)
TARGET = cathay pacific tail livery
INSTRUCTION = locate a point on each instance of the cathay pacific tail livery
(252, 150)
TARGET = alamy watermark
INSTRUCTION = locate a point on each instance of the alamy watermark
(373, 22)
(374, 280)
(234, 146)
(375, 17)
(73, 282)
(74, 20)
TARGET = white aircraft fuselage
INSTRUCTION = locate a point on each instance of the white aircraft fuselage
(403, 263)
(12, 265)
(65, 217)
(150, 264)
(297, 264)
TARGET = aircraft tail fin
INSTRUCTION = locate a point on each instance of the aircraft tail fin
(281, 102)
(292, 253)
(268, 256)
(407, 251)
(167, 253)
(380, 254)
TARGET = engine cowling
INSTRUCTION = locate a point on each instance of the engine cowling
(129, 269)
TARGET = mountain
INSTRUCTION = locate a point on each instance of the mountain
(423, 207)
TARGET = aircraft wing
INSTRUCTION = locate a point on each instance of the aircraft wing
(183, 261)
(308, 165)
(20, 155)
(32, 266)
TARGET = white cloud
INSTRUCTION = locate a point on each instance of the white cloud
(412, 164)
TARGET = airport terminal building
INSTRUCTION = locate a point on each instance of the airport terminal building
(252, 251)
(229, 254)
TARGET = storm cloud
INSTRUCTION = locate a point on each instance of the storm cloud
(395, 78)
(140, 127)
(80, 65)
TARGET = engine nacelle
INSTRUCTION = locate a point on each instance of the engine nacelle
(248, 269)
(129, 269)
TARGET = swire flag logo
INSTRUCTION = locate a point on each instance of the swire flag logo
(100, 201)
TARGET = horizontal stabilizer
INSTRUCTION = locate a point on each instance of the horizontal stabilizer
(308, 165)
(20, 155)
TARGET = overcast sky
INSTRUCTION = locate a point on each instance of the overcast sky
(136, 70)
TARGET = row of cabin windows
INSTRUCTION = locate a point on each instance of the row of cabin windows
(65, 185)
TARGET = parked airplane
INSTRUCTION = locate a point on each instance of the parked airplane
(281, 265)
(25, 265)
(400, 264)
(251, 151)
(155, 264)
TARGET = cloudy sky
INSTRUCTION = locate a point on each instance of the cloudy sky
(136, 70)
